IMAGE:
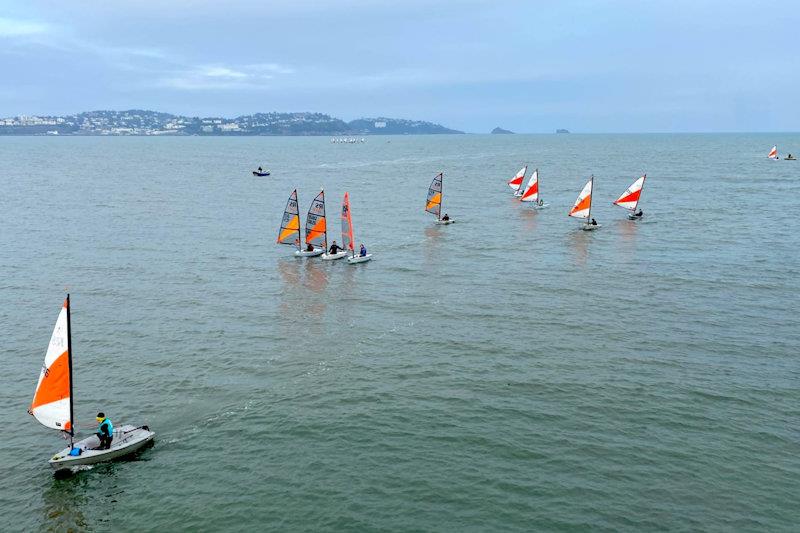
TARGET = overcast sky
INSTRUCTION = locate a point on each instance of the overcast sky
(529, 66)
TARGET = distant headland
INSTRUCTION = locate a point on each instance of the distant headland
(500, 131)
(142, 122)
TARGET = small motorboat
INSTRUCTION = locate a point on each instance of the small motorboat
(790, 157)
(261, 173)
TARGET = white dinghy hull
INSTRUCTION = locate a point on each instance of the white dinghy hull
(634, 217)
(537, 206)
(591, 227)
(303, 253)
(445, 222)
(127, 440)
(333, 257)
(359, 259)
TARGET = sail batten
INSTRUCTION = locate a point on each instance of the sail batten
(52, 400)
(630, 198)
(531, 193)
(583, 205)
(290, 224)
(434, 202)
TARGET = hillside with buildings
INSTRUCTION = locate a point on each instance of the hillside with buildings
(141, 122)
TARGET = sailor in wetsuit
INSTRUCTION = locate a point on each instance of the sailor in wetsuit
(363, 251)
(446, 217)
(594, 222)
(334, 248)
(309, 247)
(105, 431)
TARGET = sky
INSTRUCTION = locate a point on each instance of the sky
(529, 66)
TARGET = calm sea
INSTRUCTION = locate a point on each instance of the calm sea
(506, 373)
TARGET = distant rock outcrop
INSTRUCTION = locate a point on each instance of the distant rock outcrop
(501, 131)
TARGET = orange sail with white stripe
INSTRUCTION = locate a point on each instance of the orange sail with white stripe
(630, 198)
(531, 193)
(316, 230)
(583, 205)
(516, 182)
(290, 225)
(52, 401)
(773, 154)
(434, 202)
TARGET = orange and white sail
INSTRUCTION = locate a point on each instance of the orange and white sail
(434, 203)
(316, 231)
(347, 224)
(583, 205)
(52, 401)
(516, 182)
(290, 225)
(630, 198)
(531, 192)
(773, 154)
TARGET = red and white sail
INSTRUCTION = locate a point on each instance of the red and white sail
(583, 205)
(773, 154)
(52, 401)
(630, 198)
(347, 224)
(531, 192)
(516, 182)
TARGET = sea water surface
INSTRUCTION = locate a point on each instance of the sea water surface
(506, 373)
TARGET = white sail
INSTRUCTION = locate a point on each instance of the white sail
(516, 182)
(531, 193)
(630, 198)
(52, 402)
(583, 205)
(773, 154)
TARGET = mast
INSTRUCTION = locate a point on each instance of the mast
(591, 193)
(326, 221)
(69, 364)
(644, 178)
(441, 195)
(299, 232)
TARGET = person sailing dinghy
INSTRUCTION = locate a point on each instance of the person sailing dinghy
(52, 406)
(773, 154)
(336, 251)
(289, 232)
(583, 207)
(516, 182)
(630, 198)
(531, 192)
(316, 232)
(434, 203)
(347, 235)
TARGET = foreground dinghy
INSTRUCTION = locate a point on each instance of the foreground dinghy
(347, 234)
(583, 207)
(52, 406)
(630, 199)
(289, 232)
(434, 203)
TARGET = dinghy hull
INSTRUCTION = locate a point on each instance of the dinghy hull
(445, 222)
(333, 257)
(590, 227)
(359, 259)
(127, 440)
(303, 253)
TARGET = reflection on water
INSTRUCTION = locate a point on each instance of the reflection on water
(64, 503)
(579, 243)
(316, 278)
(530, 218)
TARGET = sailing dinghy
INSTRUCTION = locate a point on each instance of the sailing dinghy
(327, 256)
(347, 234)
(289, 232)
(516, 182)
(316, 233)
(630, 199)
(52, 406)
(583, 207)
(531, 192)
(773, 154)
(434, 203)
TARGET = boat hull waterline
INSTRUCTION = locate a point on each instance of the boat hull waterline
(333, 257)
(304, 253)
(127, 440)
(359, 259)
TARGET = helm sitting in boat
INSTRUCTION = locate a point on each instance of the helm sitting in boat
(105, 431)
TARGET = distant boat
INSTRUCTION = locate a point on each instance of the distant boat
(630, 198)
(261, 173)
(52, 406)
(790, 157)
(531, 192)
(516, 182)
(773, 154)
(434, 203)
(347, 234)
(583, 206)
